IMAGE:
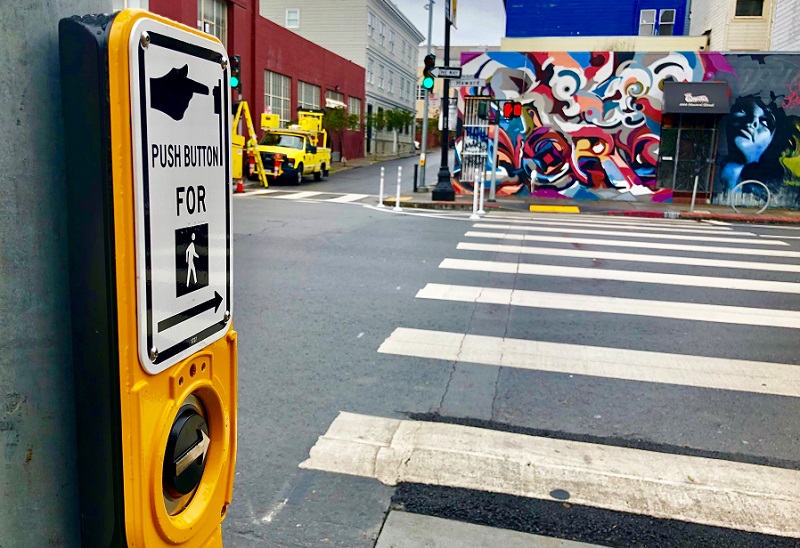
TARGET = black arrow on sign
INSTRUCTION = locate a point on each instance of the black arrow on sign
(180, 317)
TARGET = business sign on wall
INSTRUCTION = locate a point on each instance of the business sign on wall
(696, 98)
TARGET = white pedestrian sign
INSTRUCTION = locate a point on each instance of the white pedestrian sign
(180, 106)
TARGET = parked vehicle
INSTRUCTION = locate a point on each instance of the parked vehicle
(303, 146)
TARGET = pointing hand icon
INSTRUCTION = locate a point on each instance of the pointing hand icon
(172, 92)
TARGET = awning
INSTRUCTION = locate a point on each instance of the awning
(697, 98)
(333, 103)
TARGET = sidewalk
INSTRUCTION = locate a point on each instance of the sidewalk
(625, 208)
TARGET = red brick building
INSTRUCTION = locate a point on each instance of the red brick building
(280, 70)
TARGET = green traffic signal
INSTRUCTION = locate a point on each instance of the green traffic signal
(427, 83)
(234, 82)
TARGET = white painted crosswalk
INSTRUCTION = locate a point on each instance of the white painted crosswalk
(701, 490)
(660, 484)
(306, 195)
(621, 275)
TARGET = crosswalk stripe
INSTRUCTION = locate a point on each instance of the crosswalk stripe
(640, 245)
(613, 305)
(259, 192)
(650, 228)
(298, 195)
(727, 240)
(613, 363)
(611, 256)
(588, 218)
(348, 198)
(621, 275)
(701, 490)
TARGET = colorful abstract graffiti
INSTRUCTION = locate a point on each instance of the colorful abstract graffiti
(591, 122)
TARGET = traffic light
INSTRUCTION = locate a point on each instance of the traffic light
(427, 77)
(236, 80)
(512, 109)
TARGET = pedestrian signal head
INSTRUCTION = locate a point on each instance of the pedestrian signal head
(236, 80)
(427, 77)
(512, 109)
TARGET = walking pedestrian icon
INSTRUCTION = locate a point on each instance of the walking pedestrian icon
(191, 259)
(191, 255)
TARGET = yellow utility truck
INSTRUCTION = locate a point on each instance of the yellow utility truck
(303, 146)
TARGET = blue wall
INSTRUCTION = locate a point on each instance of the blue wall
(536, 18)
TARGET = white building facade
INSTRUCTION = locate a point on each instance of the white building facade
(743, 25)
(374, 34)
(786, 26)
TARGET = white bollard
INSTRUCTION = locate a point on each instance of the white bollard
(480, 198)
(397, 199)
(475, 216)
(380, 196)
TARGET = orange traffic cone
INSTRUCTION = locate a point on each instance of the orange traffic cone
(239, 186)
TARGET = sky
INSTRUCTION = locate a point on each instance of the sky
(478, 22)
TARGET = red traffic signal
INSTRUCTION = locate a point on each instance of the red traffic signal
(512, 109)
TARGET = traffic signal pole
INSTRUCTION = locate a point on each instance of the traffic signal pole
(424, 147)
(444, 191)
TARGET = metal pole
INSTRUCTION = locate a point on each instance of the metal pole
(380, 196)
(399, 180)
(694, 191)
(444, 190)
(416, 172)
(494, 156)
(424, 147)
(475, 216)
(480, 198)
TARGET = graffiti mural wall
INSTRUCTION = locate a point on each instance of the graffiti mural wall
(760, 138)
(591, 121)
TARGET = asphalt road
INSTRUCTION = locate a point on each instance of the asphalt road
(320, 286)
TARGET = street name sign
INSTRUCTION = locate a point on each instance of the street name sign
(181, 166)
(446, 72)
(469, 82)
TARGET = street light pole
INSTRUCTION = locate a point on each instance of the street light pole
(423, 152)
(444, 191)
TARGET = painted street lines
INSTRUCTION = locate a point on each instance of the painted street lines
(621, 275)
(650, 227)
(612, 363)
(640, 245)
(259, 192)
(611, 256)
(298, 195)
(701, 490)
(729, 240)
(613, 305)
(348, 198)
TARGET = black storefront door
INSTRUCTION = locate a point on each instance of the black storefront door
(686, 152)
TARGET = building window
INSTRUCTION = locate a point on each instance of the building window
(370, 71)
(278, 95)
(749, 8)
(381, 70)
(647, 22)
(308, 95)
(212, 18)
(391, 41)
(370, 24)
(382, 36)
(657, 22)
(292, 19)
(334, 99)
(354, 106)
(421, 91)
(666, 22)
(391, 81)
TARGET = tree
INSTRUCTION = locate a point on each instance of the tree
(336, 121)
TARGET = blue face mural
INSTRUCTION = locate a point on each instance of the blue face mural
(591, 121)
